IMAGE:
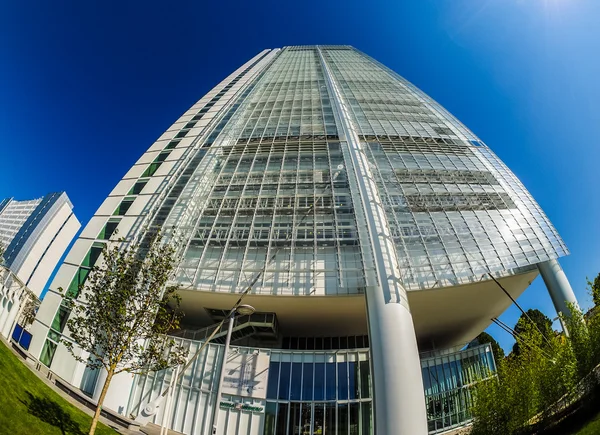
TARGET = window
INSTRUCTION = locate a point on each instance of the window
(92, 256)
(138, 187)
(172, 145)
(123, 207)
(47, 354)
(60, 319)
(77, 282)
(108, 230)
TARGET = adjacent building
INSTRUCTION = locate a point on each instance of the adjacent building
(34, 235)
(374, 226)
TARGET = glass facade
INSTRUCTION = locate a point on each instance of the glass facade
(263, 183)
(275, 181)
(318, 392)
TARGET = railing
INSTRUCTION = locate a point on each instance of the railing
(264, 324)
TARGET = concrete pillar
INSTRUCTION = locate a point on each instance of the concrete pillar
(398, 393)
(558, 286)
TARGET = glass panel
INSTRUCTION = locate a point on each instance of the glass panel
(296, 385)
(330, 420)
(273, 380)
(138, 187)
(354, 412)
(294, 426)
(307, 382)
(282, 418)
(151, 170)
(319, 389)
(60, 319)
(306, 419)
(92, 256)
(353, 380)
(108, 230)
(77, 283)
(48, 353)
(342, 419)
(365, 376)
(366, 423)
(284, 381)
(123, 207)
(330, 381)
(270, 410)
(342, 386)
(318, 418)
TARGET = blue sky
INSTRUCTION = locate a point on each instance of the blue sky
(86, 87)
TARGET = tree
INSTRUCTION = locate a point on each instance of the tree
(483, 338)
(126, 314)
(594, 287)
(541, 323)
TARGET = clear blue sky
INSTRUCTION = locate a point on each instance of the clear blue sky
(86, 87)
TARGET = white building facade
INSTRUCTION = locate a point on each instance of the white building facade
(34, 234)
(370, 221)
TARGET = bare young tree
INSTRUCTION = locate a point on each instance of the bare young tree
(125, 312)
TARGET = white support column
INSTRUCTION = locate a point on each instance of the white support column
(399, 398)
(558, 286)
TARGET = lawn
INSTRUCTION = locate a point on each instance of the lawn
(592, 427)
(28, 406)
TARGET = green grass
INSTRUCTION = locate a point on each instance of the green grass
(592, 427)
(28, 406)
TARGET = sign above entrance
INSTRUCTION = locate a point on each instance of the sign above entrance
(241, 407)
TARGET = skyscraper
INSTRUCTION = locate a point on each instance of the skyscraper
(34, 235)
(373, 227)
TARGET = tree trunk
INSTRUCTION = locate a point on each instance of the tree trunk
(109, 376)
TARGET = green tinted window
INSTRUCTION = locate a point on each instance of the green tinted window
(77, 282)
(151, 170)
(92, 256)
(138, 187)
(123, 207)
(108, 230)
(48, 353)
(172, 145)
(60, 319)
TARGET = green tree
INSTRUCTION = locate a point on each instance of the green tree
(541, 323)
(594, 288)
(483, 338)
(127, 314)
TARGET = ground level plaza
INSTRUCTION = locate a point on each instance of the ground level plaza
(282, 392)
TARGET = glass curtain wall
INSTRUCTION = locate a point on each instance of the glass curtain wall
(455, 211)
(330, 392)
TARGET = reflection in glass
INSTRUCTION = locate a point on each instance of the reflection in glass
(342, 381)
(365, 375)
(319, 390)
(353, 380)
(294, 426)
(367, 425)
(318, 418)
(270, 410)
(330, 420)
(273, 380)
(296, 386)
(307, 382)
(282, 417)
(354, 412)
(284, 380)
(330, 381)
(305, 419)
(342, 419)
